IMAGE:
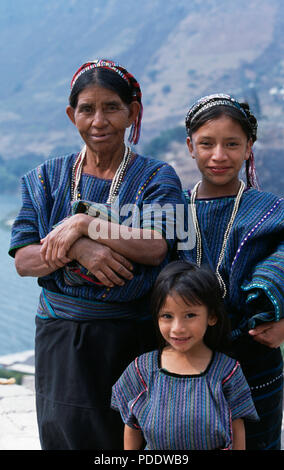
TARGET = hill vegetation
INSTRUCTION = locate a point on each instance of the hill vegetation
(179, 51)
(168, 146)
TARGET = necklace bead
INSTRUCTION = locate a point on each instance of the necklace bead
(116, 181)
(226, 234)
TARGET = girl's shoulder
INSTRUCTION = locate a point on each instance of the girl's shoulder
(147, 362)
(140, 370)
(261, 209)
(144, 366)
(258, 204)
(250, 196)
(257, 196)
(223, 365)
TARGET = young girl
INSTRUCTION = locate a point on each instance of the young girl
(240, 234)
(186, 395)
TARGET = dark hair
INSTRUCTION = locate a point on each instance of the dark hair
(105, 78)
(215, 112)
(246, 120)
(196, 285)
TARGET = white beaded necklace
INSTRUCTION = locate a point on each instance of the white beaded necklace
(226, 234)
(116, 181)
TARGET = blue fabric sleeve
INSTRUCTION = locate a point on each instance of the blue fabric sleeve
(265, 291)
(238, 395)
(126, 391)
(163, 204)
(25, 229)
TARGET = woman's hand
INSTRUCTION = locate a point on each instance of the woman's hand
(109, 267)
(270, 334)
(139, 245)
(28, 262)
(143, 246)
(55, 246)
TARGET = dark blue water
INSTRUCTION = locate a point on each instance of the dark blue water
(18, 295)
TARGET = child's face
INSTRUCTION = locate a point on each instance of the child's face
(220, 148)
(184, 325)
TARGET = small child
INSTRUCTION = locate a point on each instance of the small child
(187, 395)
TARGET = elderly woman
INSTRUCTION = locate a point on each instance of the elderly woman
(96, 271)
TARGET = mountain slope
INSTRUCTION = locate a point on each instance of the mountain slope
(178, 51)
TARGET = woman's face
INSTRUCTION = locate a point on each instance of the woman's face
(220, 148)
(101, 118)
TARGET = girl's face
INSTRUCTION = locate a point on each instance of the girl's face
(220, 148)
(184, 325)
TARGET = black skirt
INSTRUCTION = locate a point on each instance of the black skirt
(76, 365)
(263, 369)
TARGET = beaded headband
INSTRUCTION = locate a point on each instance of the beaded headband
(220, 99)
(131, 81)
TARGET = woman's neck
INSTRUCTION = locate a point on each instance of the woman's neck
(103, 164)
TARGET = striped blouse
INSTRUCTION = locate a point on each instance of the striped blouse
(252, 267)
(183, 412)
(47, 200)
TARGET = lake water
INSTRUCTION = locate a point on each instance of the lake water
(18, 295)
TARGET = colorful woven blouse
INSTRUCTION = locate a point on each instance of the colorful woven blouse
(46, 196)
(253, 270)
(253, 265)
(183, 412)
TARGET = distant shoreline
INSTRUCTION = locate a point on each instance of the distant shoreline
(22, 362)
(8, 221)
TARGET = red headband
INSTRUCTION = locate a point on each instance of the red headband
(131, 81)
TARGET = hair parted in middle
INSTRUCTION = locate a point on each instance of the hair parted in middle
(115, 77)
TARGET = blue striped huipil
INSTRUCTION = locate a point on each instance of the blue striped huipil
(86, 333)
(47, 201)
(253, 270)
(183, 412)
